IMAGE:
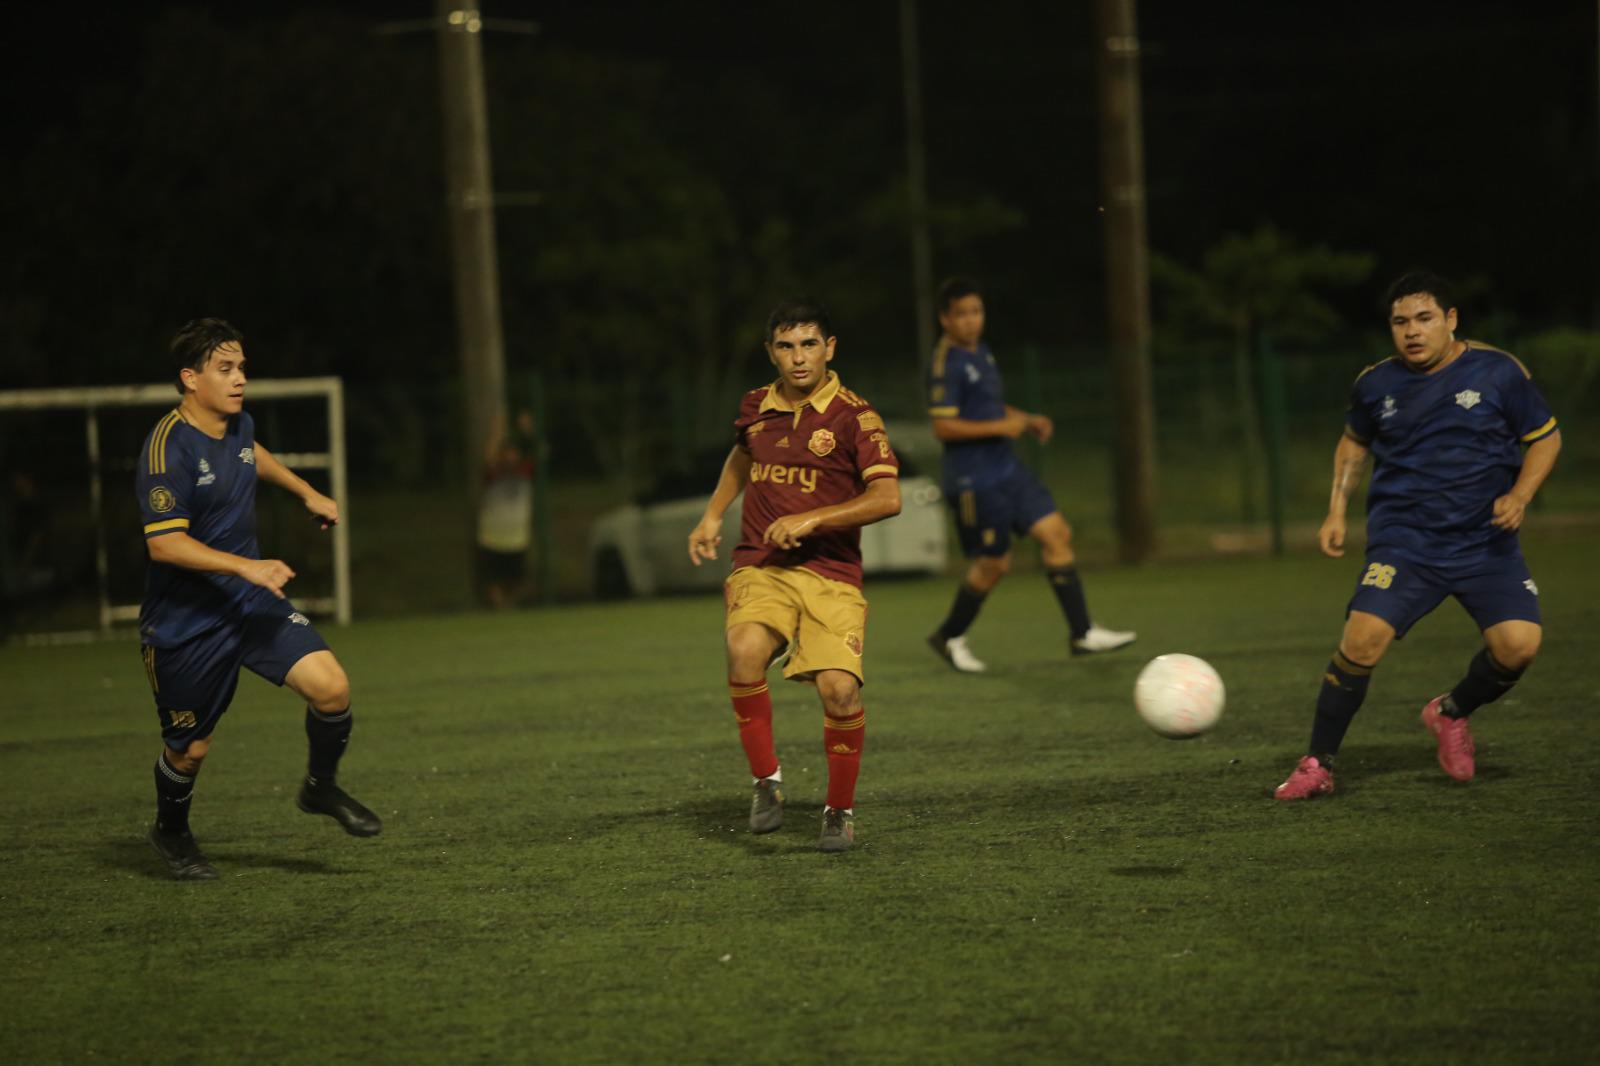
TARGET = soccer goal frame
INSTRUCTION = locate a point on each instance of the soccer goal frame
(92, 399)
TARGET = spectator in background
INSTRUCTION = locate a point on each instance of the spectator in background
(505, 515)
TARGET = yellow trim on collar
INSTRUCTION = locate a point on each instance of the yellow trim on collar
(819, 400)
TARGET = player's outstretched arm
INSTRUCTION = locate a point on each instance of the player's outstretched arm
(323, 508)
(1537, 462)
(707, 533)
(880, 500)
(180, 549)
(1013, 425)
(1348, 459)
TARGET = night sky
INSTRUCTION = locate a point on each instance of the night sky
(1458, 135)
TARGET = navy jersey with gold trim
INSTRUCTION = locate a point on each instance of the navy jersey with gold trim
(966, 384)
(187, 482)
(1445, 446)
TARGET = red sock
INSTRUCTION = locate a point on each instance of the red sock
(841, 738)
(752, 707)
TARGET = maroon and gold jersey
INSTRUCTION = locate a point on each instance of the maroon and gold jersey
(817, 454)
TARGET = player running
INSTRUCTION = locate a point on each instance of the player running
(1461, 440)
(213, 604)
(814, 464)
(994, 496)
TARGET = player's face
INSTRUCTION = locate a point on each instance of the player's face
(801, 354)
(963, 320)
(1423, 331)
(219, 385)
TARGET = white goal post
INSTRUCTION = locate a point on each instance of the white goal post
(91, 400)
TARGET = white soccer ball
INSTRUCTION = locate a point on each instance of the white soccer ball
(1178, 696)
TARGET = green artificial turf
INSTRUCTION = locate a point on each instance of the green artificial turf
(565, 874)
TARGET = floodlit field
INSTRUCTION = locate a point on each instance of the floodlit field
(564, 875)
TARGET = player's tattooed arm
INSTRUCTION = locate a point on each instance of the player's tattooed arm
(180, 549)
(1537, 462)
(1349, 459)
(707, 533)
(323, 508)
(880, 500)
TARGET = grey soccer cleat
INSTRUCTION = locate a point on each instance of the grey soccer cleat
(184, 859)
(766, 806)
(838, 830)
(954, 651)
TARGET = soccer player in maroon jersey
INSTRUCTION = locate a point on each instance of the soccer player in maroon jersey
(815, 465)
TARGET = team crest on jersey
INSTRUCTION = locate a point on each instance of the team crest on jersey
(162, 500)
(1388, 408)
(247, 455)
(972, 373)
(206, 476)
(299, 619)
(1468, 398)
(821, 442)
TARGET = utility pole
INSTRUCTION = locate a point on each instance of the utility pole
(916, 171)
(471, 207)
(1127, 275)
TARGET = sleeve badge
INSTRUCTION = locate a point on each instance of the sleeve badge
(162, 500)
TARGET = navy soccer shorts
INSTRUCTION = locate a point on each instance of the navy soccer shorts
(194, 682)
(1401, 592)
(987, 517)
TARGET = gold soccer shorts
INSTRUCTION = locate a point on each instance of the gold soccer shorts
(826, 619)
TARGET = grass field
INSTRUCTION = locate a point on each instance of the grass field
(564, 875)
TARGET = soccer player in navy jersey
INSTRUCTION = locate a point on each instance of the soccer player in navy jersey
(993, 495)
(212, 604)
(813, 462)
(1461, 440)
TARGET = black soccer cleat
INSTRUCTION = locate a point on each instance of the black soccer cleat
(183, 856)
(342, 807)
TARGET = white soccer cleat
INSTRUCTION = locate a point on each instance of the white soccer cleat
(1101, 639)
(955, 652)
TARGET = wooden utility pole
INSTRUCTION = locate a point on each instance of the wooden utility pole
(471, 206)
(1127, 275)
(917, 177)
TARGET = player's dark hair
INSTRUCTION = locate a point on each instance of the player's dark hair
(193, 344)
(953, 289)
(798, 311)
(1420, 283)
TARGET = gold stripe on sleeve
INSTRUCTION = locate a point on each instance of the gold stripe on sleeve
(158, 443)
(162, 527)
(880, 470)
(943, 412)
(1544, 430)
(940, 350)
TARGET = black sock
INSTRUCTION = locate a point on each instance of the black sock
(173, 791)
(1486, 681)
(962, 611)
(328, 734)
(1069, 593)
(1344, 686)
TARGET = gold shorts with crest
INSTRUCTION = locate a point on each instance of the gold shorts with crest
(826, 619)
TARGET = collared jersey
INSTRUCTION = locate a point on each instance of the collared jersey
(187, 482)
(817, 454)
(1445, 446)
(966, 384)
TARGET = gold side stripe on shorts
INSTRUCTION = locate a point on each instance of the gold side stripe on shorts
(150, 668)
(881, 470)
(943, 412)
(158, 443)
(171, 523)
(969, 508)
(736, 691)
(858, 722)
(1528, 438)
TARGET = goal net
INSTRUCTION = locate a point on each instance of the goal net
(72, 560)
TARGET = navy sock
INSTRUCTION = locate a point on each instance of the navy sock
(173, 791)
(1486, 681)
(328, 734)
(1069, 593)
(962, 611)
(1344, 686)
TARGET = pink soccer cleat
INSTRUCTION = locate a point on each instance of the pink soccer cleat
(1309, 780)
(1455, 740)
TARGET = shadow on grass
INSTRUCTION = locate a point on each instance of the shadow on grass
(1417, 759)
(137, 857)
